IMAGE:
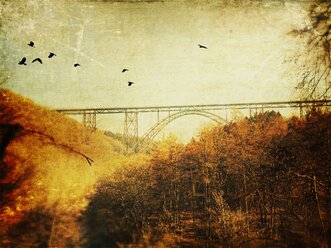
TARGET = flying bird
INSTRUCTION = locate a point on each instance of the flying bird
(51, 55)
(37, 59)
(201, 46)
(124, 70)
(75, 65)
(31, 44)
(22, 62)
(130, 83)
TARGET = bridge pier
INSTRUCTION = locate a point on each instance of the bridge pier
(130, 131)
(90, 120)
(301, 110)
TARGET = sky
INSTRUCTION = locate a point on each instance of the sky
(246, 60)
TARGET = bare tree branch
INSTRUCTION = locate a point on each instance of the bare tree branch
(66, 147)
(311, 179)
(317, 55)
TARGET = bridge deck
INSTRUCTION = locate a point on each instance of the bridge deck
(252, 105)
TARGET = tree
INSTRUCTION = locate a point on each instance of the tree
(314, 63)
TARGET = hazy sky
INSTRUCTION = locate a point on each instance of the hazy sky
(158, 42)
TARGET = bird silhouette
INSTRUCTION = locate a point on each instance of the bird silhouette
(51, 55)
(75, 65)
(124, 70)
(37, 59)
(22, 62)
(202, 46)
(130, 83)
(31, 44)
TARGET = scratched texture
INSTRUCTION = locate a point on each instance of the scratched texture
(248, 45)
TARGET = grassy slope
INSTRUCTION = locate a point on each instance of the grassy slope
(43, 164)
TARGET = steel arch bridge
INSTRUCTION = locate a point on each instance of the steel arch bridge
(130, 130)
(157, 128)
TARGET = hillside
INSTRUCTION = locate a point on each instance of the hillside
(49, 162)
(255, 181)
(262, 181)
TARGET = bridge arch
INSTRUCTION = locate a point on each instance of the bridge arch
(157, 128)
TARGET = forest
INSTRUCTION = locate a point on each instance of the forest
(259, 181)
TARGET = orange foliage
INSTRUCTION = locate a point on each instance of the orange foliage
(43, 165)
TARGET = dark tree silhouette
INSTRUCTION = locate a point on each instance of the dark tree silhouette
(315, 63)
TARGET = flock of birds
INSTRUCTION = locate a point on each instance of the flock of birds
(51, 55)
(31, 44)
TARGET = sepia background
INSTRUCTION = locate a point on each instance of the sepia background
(261, 179)
(247, 59)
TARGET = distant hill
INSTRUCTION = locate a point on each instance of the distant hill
(132, 141)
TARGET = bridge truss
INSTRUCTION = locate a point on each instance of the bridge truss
(130, 130)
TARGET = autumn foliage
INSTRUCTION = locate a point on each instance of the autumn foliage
(254, 182)
(44, 173)
(257, 181)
